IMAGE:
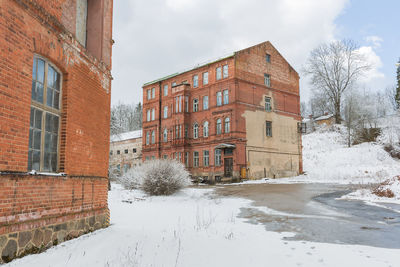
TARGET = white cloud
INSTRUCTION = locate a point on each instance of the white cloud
(376, 41)
(374, 76)
(158, 37)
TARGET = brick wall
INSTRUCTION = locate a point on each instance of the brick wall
(43, 203)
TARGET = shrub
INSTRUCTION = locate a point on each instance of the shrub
(157, 177)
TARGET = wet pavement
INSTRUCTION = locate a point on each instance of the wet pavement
(314, 213)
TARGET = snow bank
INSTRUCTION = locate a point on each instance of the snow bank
(327, 159)
(388, 192)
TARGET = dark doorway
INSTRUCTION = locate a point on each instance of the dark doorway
(228, 167)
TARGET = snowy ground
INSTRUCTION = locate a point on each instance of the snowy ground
(192, 229)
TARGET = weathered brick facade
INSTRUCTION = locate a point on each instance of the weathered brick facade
(42, 208)
(246, 149)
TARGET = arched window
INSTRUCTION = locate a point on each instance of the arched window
(147, 138)
(227, 125)
(205, 129)
(219, 126)
(45, 117)
(153, 137)
(165, 135)
(195, 131)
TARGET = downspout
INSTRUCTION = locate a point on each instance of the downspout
(159, 121)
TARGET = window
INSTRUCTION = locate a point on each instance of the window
(195, 159)
(148, 94)
(153, 114)
(134, 150)
(176, 104)
(267, 80)
(119, 167)
(195, 131)
(226, 97)
(153, 137)
(180, 103)
(126, 167)
(153, 92)
(175, 155)
(126, 151)
(153, 157)
(205, 129)
(166, 90)
(195, 105)
(268, 104)
(180, 157)
(227, 125)
(148, 115)
(206, 158)
(219, 99)
(165, 112)
(219, 126)
(268, 58)
(196, 80)
(44, 117)
(111, 152)
(218, 73)
(147, 138)
(205, 78)
(217, 157)
(205, 102)
(165, 157)
(187, 159)
(225, 71)
(186, 131)
(173, 84)
(268, 128)
(118, 152)
(186, 104)
(165, 135)
(180, 131)
(81, 21)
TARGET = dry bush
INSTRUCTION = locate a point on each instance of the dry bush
(383, 193)
(157, 177)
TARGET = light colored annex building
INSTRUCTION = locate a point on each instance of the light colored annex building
(125, 151)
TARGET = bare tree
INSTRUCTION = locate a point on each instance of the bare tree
(125, 117)
(320, 104)
(334, 68)
(390, 94)
(303, 109)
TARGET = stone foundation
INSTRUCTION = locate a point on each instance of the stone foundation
(18, 244)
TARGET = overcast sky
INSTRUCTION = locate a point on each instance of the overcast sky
(154, 38)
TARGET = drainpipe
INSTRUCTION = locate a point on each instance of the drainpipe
(159, 121)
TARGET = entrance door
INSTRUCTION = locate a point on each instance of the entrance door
(228, 167)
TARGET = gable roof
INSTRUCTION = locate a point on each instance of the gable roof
(126, 136)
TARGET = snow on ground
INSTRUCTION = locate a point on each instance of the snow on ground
(193, 229)
(389, 186)
(328, 159)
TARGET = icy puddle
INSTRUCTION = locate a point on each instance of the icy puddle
(313, 212)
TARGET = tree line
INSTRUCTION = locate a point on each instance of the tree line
(125, 118)
(335, 70)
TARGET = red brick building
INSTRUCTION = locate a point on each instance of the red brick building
(238, 116)
(54, 121)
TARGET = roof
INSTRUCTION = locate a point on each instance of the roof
(324, 117)
(126, 136)
(225, 146)
(189, 69)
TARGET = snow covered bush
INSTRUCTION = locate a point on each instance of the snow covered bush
(157, 177)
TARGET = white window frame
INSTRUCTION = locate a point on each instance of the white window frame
(206, 158)
(226, 96)
(267, 80)
(268, 104)
(218, 73)
(205, 78)
(153, 137)
(205, 102)
(219, 98)
(205, 129)
(195, 80)
(218, 127)
(165, 135)
(196, 159)
(195, 105)
(218, 157)
(165, 89)
(195, 131)
(225, 72)
(227, 126)
(165, 112)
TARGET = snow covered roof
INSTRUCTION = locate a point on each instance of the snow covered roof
(324, 117)
(126, 136)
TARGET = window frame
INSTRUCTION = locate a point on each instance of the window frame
(165, 89)
(196, 159)
(218, 73)
(205, 81)
(227, 122)
(218, 157)
(165, 112)
(219, 98)
(195, 81)
(195, 105)
(267, 80)
(268, 128)
(165, 135)
(218, 127)
(45, 109)
(206, 129)
(225, 71)
(267, 58)
(268, 104)
(195, 130)
(205, 102)
(225, 96)
(206, 158)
